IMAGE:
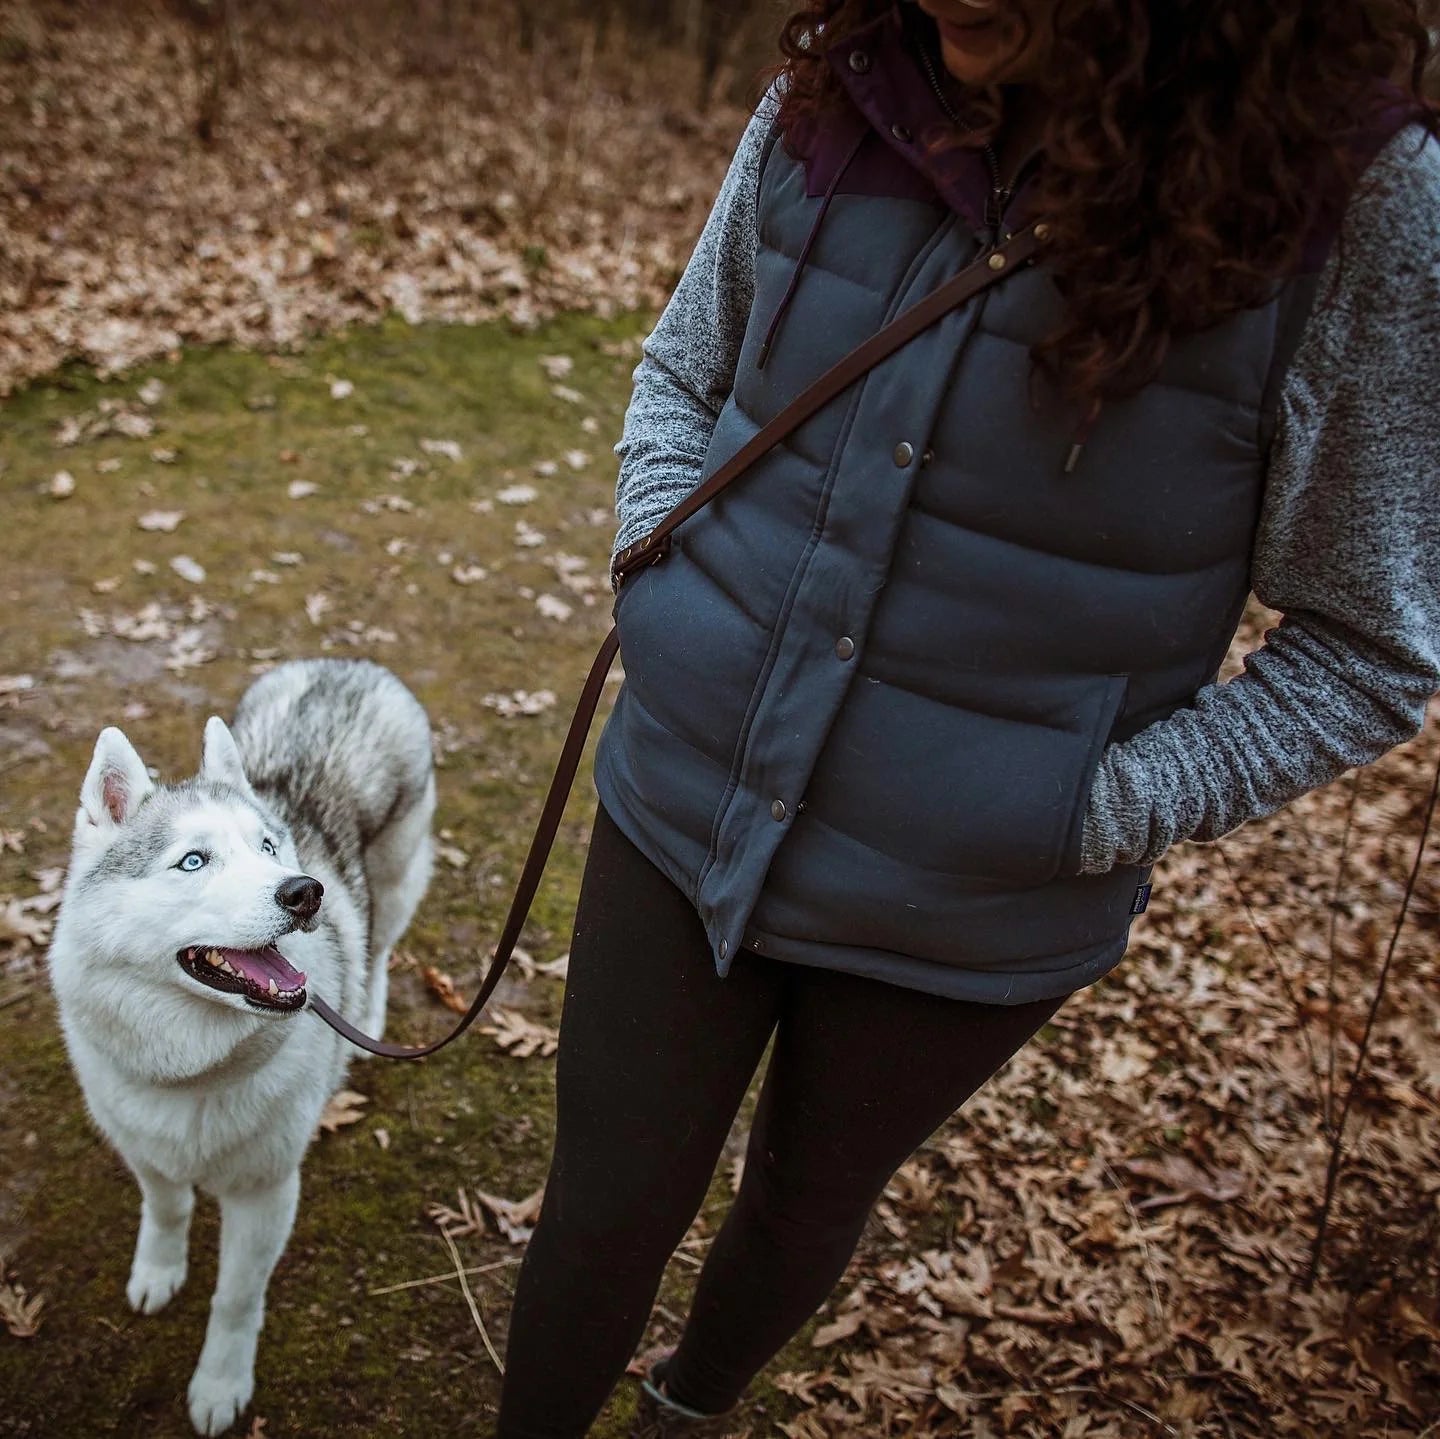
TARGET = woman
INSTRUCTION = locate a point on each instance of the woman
(913, 708)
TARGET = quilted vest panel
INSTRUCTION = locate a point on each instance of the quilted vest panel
(867, 691)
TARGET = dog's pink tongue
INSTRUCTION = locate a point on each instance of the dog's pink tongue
(263, 965)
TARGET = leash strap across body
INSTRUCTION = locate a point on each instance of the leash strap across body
(1018, 251)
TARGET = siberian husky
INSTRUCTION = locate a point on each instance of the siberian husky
(191, 926)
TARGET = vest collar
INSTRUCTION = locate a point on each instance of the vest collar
(881, 70)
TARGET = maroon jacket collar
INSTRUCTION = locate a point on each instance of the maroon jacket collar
(892, 98)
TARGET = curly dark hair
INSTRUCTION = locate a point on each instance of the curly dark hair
(1186, 143)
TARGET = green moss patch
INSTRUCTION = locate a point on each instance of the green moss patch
(341, 502)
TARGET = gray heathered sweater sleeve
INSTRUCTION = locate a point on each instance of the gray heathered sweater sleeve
(687, 369)
(1348, 549)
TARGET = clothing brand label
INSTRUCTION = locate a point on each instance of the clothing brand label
(1142, 898)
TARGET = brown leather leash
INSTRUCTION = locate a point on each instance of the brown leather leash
(1018, 251)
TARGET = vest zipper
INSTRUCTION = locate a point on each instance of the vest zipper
(999, 196)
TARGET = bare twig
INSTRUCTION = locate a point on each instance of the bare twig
(1332, 997)
(1337, 1144)
(442, 1278)
(1077, 1389)
(470, 1300)
(1155, 1304)
(1289, 988)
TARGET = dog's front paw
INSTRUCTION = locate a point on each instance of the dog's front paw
(152, 1286)
(217, 1400)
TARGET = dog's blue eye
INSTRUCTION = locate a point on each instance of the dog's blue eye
(268, 845)
(191, 862)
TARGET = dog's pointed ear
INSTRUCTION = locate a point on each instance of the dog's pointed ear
(220, 761)
(116, 783)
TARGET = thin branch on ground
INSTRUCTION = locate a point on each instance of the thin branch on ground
(1311, 1060)
(1156, 1306)
(1337, 1145)
(1074, 1389)
(1332, 993)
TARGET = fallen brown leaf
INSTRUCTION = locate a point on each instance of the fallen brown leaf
(1186, 1180)
(18, 1312)
(521, 1037)
(345, 1107)
(515, 1218)
(443, 988)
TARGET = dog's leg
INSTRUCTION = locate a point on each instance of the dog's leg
(397, 869)
(254, 1227)
(158, 1270)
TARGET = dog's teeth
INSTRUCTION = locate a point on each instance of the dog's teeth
(274, 988)
(215, 957)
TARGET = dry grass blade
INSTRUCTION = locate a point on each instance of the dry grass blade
(442, 1278)
(470, 1300)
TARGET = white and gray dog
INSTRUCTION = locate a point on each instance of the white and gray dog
(195, 915)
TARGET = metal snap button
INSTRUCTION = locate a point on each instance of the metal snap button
(724, 948)
(904, 453)
(901, 133)
(778, 810)
(859, 62)
(844, 648)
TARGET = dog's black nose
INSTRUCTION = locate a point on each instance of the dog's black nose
(301, 895)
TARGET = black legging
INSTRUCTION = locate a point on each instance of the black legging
(656, 1053)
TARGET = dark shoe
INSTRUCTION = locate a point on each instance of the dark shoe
(658, 1416)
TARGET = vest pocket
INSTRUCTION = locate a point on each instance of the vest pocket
(1112, 701)
(990, 796)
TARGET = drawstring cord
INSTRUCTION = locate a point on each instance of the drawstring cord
(805, 252)
(1082, 435)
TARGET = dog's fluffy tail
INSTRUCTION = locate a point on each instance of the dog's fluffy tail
(339, 744)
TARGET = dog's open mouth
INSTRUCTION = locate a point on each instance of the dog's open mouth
(263, 977)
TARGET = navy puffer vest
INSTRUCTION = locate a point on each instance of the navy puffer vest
(867, 692)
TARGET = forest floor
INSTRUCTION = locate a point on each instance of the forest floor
(1108, 1242)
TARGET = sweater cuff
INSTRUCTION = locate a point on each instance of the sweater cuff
(1111, 834)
